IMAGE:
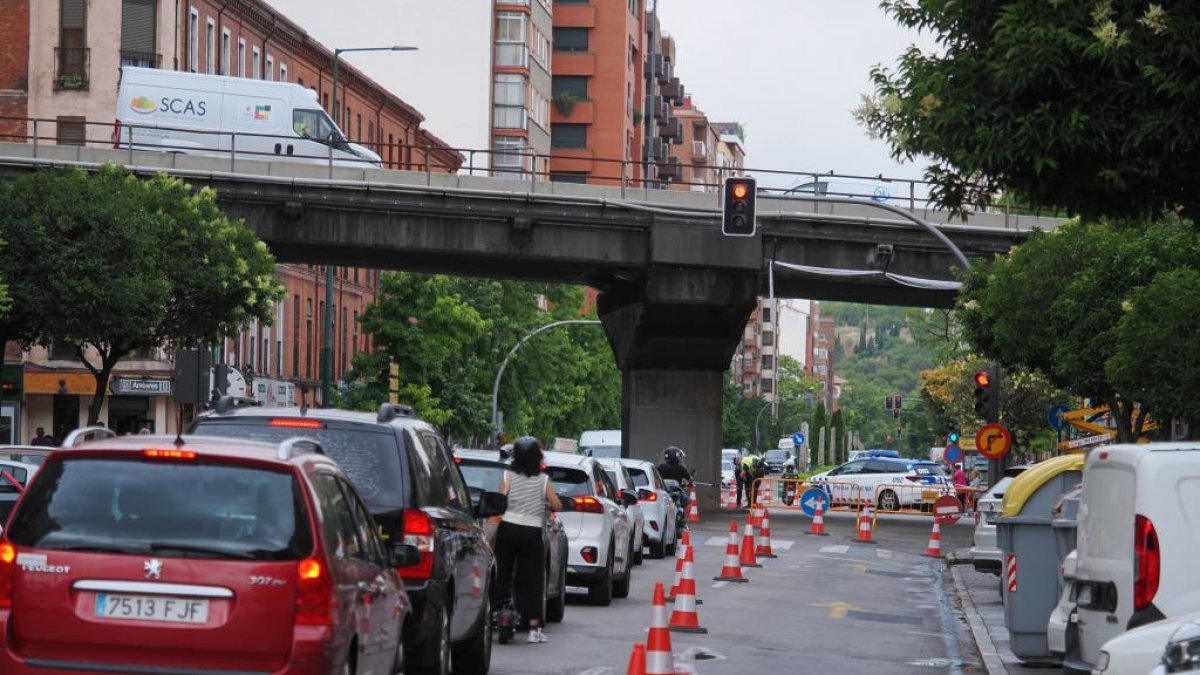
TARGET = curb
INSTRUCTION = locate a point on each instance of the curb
(987, 649)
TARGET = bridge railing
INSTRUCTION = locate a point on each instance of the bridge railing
(560, 165)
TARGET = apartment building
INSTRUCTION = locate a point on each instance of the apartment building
(755, 362)
(822, 335)
(59, 73)
(521, 87)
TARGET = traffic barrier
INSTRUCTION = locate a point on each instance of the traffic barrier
(680, 550)
(693, 515)
(818, 521)
(637, 660)
(764, 537)
(747, 558)
(659, 659)
(728, 497)
(732, 571)
(841, 496)
(865, 526)
(918, 498)
(764, 492)
(934, 548)
(684, 618)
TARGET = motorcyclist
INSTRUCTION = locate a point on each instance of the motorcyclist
(787, 490)
(672, 468)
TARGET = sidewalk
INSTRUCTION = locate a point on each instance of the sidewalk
(980, 595)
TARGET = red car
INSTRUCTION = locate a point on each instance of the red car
(146, 554)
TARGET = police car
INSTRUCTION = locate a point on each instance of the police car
(856, 482)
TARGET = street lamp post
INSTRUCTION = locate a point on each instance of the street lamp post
(756, 420)
(327, 346)
(511, 352)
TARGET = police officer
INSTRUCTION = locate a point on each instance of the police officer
(752, 469)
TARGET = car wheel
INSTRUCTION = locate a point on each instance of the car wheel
(473, 656)
(398, 659)
(436, 656)
(658, 549)
(557, 608)
(670, 548)
(621, 587)
(637, 552)
(888, 501)
(601, 590)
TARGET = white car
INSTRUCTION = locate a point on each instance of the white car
(1138, 541)
(856, 482)
(728, 474)
(620, 476)
(1141, 650)
(599, 529)
(657, 507)
(1182, 651)
(985, 553)
(1061, 616)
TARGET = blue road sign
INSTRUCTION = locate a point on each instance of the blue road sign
(810, 498)
(798, 439)
(1054, 416)
(953, 454)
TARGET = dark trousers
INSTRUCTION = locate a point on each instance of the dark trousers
(520, 547)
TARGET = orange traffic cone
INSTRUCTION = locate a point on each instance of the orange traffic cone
(476, 582)
(637, 660)
(680, 551)
(864, 526)
(934, 549)
(659, 659)
(755, 514)
(818, 522)
(764, 537)
(747, 558)
(685, 618)
(732, 571)
(693, 506)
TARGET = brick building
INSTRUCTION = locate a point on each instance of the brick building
(61, 66)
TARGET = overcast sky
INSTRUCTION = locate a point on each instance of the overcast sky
(789, 70)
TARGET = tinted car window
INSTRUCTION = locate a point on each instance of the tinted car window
(639, 478)
(602, 451)
(569, 482)
(367, 454)
(165, 509)
(20, 475)
(482, 476)
(605, 485)
(363, 525)
(847, 469)
(340, 532)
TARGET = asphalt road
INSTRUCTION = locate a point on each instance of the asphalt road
(825, 605)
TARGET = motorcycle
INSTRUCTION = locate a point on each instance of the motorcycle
(679, 496)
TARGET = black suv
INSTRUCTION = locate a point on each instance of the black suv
(406, 473)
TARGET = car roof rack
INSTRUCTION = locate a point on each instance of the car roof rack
(390, 411)
(227, 404)
(85, 434)
(300, 445)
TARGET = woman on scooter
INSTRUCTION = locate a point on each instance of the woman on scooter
(519, 537)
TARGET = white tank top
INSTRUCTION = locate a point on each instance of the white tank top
(526, 499)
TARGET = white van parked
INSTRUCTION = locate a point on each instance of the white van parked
(1138, 541)
(194, 114)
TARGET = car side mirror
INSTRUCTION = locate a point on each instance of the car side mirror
(645, 493)
(628, 498)
(404, 555)
(491, 504)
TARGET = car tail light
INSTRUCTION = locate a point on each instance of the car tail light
(116, 134)
(1146, 555)
(8, 568)
(168, 453)
(589, 554)
(652, 498)
(296, 424)
(588, 505)
(314, 594)
(418, 531)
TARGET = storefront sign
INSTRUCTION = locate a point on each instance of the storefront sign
(122, 386)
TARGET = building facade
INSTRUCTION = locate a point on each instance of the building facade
(521, 87)
(822, 336)
(755, 362)
(59, 74)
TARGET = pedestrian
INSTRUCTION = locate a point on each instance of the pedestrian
(976, 484)
(42, 439)
(519, 544)
(960, 484)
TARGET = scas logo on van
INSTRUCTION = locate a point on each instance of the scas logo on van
(178, 106)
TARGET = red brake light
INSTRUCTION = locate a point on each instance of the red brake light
(314, 594)
(652, 498)
(8, 567)
(296, 424)
(1147, 561)
(168, 453)
(418, 531)
(588, 504)
(458, 460)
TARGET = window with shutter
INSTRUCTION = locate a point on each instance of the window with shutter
(138, 28)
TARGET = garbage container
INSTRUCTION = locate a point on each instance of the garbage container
(1030, 551)
(1065, 520)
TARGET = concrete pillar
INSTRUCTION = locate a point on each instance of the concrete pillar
(660, 408)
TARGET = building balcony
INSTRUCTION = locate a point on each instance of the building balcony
(574, 16)
(71, 68)
(579, 111)
(699, 151)
(673, 91)
(574, 63)
(572, 160)
(670, 169)
(140, 59)
(671, 129)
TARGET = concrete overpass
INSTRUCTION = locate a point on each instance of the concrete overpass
(674, 293)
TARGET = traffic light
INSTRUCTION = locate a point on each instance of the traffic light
(888, 403)
(952, 437)
(737, 208)
(899, 401)
(987, 393)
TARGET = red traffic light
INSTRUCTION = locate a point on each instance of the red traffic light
(982, 379)
(740, 190)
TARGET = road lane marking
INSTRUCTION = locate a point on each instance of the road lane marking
(597, 671)
(836, 548)
(720, 584)
(837, 610)
(883, 553)
(783, 544)
(858, 567)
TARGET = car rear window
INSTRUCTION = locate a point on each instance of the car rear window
(569, 482)
(776, 456)
(368, 454)
(602, 451)
(482, 476)
(639, 478)
(167, 508)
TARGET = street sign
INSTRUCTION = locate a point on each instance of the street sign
(953, 454)
(1054, 416)
(1088, 440)
(993, 440)
(810, 499)
(797, 439)
(947, 509)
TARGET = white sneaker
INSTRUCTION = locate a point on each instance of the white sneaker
(536, 636)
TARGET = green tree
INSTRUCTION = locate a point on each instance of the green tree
(124, 264)
(1086, 106)
(817, 433)
(838, 446)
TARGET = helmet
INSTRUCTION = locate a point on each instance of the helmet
(526, 445)
(673, 455)
(789, 466)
